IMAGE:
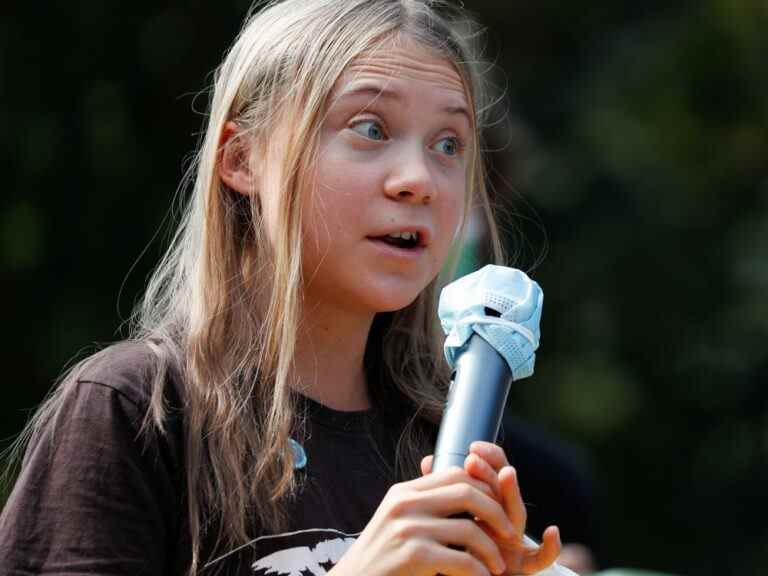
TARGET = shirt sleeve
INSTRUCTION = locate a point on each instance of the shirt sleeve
(93, 497)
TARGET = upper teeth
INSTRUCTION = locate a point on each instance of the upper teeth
(404, 235)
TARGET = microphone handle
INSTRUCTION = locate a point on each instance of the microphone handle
(475, 404)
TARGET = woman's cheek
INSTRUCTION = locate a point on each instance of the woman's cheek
(456, 214)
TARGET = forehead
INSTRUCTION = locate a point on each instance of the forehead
(406, 61)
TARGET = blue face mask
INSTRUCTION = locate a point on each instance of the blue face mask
(500, 304)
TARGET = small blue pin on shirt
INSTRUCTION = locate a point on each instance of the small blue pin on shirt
(299, 455)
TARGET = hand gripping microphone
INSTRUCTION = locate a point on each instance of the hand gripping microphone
(491, 318)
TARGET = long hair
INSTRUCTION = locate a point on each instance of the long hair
(223, 305)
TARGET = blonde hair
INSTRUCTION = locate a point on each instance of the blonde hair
(223, 305)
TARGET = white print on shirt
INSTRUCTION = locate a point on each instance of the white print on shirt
(303, 553)
(314, 552)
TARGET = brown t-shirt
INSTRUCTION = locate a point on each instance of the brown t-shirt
(94, 498)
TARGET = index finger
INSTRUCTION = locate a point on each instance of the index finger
(453, 475)
(512, 499)
(491, 453)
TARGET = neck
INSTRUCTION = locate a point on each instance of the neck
(329, 357)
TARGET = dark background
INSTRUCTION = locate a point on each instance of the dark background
(638, 149)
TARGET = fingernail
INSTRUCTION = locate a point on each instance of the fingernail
(481, 447)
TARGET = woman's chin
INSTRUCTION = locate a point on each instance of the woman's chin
(369, 295)
(393, 303)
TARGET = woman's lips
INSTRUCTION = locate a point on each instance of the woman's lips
(391, 250)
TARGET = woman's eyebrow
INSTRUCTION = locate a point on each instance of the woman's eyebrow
(375, 91)
(371, 90)
(461, 111)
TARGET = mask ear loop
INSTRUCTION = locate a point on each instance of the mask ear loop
(515, 326)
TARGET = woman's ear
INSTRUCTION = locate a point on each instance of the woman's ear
(235, 161)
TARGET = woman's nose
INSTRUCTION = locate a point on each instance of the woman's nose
(410, 179)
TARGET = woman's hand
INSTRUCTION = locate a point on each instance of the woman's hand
(488, 463)
(412, 532)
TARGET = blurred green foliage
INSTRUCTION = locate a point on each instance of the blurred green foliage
(637, 148)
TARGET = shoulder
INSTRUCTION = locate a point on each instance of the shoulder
(106, 406)
(130, 369)
(113, 394)
(89, 473)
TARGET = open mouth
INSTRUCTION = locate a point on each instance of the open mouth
(407, 240)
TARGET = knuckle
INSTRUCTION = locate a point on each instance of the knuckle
(394, 490)
(401, 505)
(480, 541)
(455, 475)
(469, 526)
(467, 529)
(415, 552)
(471, 565)
(485, 487)
(404, 531)
(465, 492)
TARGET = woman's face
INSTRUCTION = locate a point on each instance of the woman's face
(392, 161)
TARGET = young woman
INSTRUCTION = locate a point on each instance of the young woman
(271, 412)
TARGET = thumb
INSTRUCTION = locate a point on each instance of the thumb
(426, 465)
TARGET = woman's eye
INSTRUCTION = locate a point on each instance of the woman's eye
(449, 146)
(370, 129)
